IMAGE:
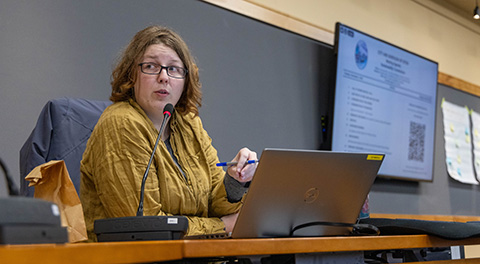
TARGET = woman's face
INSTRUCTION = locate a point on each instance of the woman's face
(153, 92)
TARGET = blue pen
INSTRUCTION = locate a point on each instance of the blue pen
(225, 164)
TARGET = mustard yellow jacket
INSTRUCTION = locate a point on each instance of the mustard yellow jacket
(117, 155)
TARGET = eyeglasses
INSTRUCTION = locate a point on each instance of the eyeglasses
(155, 69)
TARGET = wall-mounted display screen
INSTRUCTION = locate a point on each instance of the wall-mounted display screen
(384, 102)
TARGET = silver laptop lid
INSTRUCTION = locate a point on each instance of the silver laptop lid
(295, 187)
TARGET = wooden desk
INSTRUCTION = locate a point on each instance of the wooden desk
(150, 251)
(272, 246)
(117, 252)
(448, 218)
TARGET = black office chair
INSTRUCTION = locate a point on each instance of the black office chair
(61, 133)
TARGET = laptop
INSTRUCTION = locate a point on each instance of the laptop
(295, 188)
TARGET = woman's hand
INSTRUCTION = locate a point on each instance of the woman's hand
(243, 172)
(229, 221)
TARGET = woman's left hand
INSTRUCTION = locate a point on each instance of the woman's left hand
(243, 172)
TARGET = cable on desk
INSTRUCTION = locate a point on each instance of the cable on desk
(12, 189)
(357, 229)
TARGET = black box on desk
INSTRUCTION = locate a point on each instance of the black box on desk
(30, 221)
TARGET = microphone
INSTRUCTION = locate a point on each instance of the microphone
(167, 113)
(142, 227)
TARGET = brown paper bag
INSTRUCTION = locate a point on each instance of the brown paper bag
(52, 183)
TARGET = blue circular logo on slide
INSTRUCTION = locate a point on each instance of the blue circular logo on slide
(361, 54)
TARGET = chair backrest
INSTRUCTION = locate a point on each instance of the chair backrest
(61, 133)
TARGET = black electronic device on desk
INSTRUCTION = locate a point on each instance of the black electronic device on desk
(142, 227)
(30, 221)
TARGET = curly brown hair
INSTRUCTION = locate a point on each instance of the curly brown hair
(125, 72)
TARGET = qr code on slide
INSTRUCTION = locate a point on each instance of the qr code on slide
(416, 147)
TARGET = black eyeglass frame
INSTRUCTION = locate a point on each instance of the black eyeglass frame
(161, 68)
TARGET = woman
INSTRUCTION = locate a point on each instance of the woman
(156, 69)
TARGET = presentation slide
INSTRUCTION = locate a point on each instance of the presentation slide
(385, 103)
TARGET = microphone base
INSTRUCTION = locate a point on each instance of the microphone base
(135, 228)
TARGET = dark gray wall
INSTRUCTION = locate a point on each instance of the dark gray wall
(263, 86)
(441, 196)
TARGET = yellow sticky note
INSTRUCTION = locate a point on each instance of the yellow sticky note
(374, 157)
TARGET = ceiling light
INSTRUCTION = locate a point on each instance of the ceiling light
(476, 14)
